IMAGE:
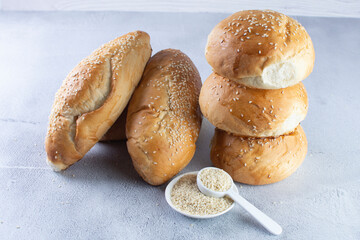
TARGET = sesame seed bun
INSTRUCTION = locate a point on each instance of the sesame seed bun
(246, 111)
(259, 161)
(93, 96)
(164, 117)
(261, 49)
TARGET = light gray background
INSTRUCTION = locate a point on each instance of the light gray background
(102, 197)
(329, 8)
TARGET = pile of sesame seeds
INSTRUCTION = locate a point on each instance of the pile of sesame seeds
(215, 179)
(186, 197)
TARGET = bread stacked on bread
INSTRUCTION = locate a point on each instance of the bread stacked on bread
(255, 97)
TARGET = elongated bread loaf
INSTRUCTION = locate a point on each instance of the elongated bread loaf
(164, 118)
(93, 96)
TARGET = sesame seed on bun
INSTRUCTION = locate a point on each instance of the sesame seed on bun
(246, 111)
(261, 49)
(259, 161)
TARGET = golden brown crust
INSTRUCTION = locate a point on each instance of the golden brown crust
(246, 111)
(164, 118)
(261, 49)
(93, 96)
(258, 161)
(117, 131)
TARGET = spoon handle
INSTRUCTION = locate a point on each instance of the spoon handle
(261, 217)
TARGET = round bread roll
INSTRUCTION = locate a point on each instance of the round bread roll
(164, 117)
(258, 161)
(117, 130)
(93, 96)
(261, 49)
(246, 111)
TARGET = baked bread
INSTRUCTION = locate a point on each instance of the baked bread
(164, 118)
(117, 131)
(246, 111)
(261, 49)
(93, 96)
(258, 161)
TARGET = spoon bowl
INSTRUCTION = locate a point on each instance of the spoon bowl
(208, 191)
(261, 217)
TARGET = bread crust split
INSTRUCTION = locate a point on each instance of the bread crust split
(258, 161)
(164, 118)
(93, 96)
(117, 131)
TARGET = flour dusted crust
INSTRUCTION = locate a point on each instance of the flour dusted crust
(93, 96)
(164, 118)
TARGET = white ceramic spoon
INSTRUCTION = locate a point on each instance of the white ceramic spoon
(261, 217)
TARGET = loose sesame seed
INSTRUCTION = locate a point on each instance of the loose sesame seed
(186, 197)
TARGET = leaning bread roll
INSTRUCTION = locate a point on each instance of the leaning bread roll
(117, 131)
(258, 161)
(93, 96)
(164, 118)
(261, 49)
(246, 111)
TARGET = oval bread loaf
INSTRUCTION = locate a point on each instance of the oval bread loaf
(164, 118)
(93, 96)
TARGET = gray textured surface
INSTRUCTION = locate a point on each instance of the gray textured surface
(102, 197)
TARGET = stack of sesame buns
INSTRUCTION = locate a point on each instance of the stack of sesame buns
(255, 97)
(93, 96)
(164, 118)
